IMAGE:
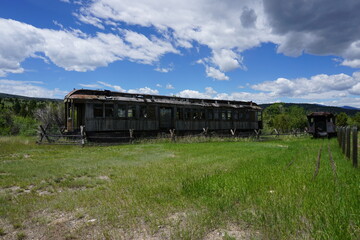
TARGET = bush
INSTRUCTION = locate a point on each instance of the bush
(24, 126)
(6, 122)
(51, 116)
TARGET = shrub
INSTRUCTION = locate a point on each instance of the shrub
(24, 126)
(6, 122)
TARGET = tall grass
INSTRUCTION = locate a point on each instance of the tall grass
(188, 189)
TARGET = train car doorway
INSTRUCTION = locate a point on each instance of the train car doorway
(166, 119)
(75, 116)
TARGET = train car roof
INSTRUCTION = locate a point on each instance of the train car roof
(321, 114)
(106, 95)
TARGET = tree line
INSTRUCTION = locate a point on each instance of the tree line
(23, 116)
(287, 119)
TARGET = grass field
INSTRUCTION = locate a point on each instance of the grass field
(211, 190)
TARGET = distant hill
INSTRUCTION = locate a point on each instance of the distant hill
(6, 95)
(351, 108)
(307, 106)
(320, 108)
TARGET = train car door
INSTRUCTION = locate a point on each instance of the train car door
(320, 124)
(166, 118)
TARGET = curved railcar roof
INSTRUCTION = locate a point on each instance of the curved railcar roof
(86, 94)
(320, 114)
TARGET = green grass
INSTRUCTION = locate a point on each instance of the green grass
(265, 190)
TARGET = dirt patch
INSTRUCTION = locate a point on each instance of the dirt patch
(49, 225)
(142, 231)
(13, 190)
(233, 231)
(16, 190)
(44, 192)
(5, 174)
(171, 155)
(104, 178)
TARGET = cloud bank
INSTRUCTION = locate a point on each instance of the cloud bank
(74, 50)
(226, 27)
(30, 89)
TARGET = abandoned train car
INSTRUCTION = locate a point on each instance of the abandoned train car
(116, 113)
(321, 124)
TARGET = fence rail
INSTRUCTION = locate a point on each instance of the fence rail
(348, 141)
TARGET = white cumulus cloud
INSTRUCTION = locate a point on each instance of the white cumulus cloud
(144, 90)
(216, 74)
(74, 50)
(169, 86)
(326, 85)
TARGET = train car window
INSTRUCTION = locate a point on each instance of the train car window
(131, 112)
(247, 115)
(195, 114)
(241, 115)
(143, 112)
(223, 115)
(210, 114)
(235, 115)
(98, 110)
(228, 116)
(151, 112)
(109, 110)
(201, 115)
(121, 111)
(187, 114)
(216, 114)
(180, 113)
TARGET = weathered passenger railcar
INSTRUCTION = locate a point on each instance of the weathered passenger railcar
(111, 113)
(321, 124)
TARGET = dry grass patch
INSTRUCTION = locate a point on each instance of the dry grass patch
(233, 231)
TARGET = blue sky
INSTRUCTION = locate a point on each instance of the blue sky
(264, 51)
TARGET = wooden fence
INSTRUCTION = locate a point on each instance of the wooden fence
(348, 141)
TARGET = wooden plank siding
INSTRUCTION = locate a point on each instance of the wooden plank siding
(105, 111)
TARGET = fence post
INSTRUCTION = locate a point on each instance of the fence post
(172, 134)
(82, 132)
(348, 141)
(338, 129)
(131, 135)
(343, 139)
(355, 147)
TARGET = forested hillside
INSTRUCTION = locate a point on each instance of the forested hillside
(319, 108)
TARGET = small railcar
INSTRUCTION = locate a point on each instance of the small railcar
(321, 124)
(109, 113)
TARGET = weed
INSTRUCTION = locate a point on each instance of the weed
(2, 232)
(20, 235)
(228, 237)
(17, 225)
